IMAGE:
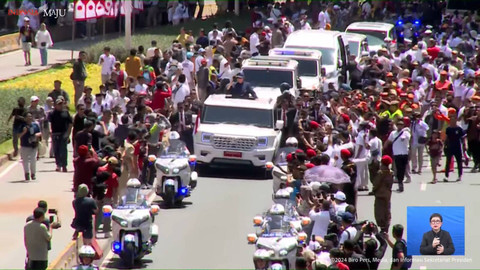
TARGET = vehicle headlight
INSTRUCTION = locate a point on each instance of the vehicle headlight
(262, 142)
(283, 252)
(163, 169)
(206, 137)
(139, 221)
(122, 222)
(176, 170)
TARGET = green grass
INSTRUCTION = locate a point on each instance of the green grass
(164, 35)
(6, 147)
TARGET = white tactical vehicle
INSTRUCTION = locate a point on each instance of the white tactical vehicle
(266, 74)
(237, 132)
(309, 65)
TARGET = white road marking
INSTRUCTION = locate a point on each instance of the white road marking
(423, 186)
(423, 267)
(9, 168)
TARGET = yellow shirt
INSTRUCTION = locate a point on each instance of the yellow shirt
(182, 38)
(392, 116)
(133, 66)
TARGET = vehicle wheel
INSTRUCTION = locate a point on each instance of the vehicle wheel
(128, 255)
(169, 196)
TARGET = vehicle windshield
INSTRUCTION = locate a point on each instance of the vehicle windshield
(281, 157)
(354, 46)
(237, 116)
(277, 224)
(173, 149)
(133, 199)
(308, 68)
(267, 77)
(328, 54)
(375, 38)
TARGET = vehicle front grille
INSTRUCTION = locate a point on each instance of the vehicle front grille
(232, 143)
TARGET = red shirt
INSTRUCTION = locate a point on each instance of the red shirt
(433, 52)
(112, 181)
(158, 99)
(85, 174)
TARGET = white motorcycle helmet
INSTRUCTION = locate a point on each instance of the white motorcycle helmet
(277, 209)
(134, 183)
(86, 252)
(291, 142)
(276, 266)
(282, 194)
(174, 135)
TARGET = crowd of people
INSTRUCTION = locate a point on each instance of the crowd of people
(401, 100)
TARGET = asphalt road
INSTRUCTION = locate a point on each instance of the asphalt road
(209, 232)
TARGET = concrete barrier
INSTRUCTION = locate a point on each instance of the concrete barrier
(9, 43)
(68, 258)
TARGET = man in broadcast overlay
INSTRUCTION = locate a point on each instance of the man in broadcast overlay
(437, 241)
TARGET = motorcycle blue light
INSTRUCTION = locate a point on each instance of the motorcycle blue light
(192, 163)
(183, 191)
(117, 247)
(107, 215)
(417, 22)
(399, 22)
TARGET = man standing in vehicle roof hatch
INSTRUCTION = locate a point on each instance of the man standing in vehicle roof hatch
(241, 88)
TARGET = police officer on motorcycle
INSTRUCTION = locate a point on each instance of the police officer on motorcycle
(261, 259)
(86, 255)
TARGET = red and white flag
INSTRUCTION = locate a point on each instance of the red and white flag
(91, 9)
(100, 9)
(80, 14)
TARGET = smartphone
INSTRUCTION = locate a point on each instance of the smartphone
(52, 219)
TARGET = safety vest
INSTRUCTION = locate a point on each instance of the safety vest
(390, 115)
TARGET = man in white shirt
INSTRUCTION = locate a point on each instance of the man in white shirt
(419, 138)
(151, 50)
(349, 232)
(107, 61)
(188, 69)
(321, 217)
(255, 41)
(360, 158)
(400, 140)
(340, 202)
(141, 87)
(180, 91)
(99, 106)
(375, 147)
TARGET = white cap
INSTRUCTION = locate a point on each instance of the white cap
(336, 7)
(291, 140)
(428, 32)
(34, 98)
(340, 196)
(26, 19)
(314, 246)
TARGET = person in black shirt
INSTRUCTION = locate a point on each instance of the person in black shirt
(26, 35)
(61, 125)
(18, 115)
(85, 207)
(78, 121)
(242, 89)
(454, 145)
(202, 40)
(58, 92)
(399, 248)
(437, 241)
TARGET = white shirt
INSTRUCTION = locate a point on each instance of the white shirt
(210, 35)
(348, 234)
(322, 20)
(180, 94)
(111, 97)
(43, 36)
(419, 129)
(188, 68)
(340, 208)
(99, 108)
(141, 88)
(254, 41)
(468, 93)
(375, 145)
(400, 146)
(151, 52)
(360, 142)
(321, 219)
(108, 63)
(458, 88)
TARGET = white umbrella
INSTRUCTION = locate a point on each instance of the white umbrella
(326, 173)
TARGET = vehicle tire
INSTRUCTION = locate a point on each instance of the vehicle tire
(169, 197)
(128, 256)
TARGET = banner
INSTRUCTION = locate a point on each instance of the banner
(93, 9)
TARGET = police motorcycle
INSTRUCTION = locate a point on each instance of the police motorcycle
(176, 171)
(278, 235)
(86, 255)
(134, 231)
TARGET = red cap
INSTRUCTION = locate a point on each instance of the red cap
(386, 160)
(389, 74)
(289, 157)
(345, 117)
(477, 73)
(264, 33)
(384, 94)
(345, 153)
(452, 111)
(314, 125)
(299, 151)
(82, 150)
(443, 72)
(403, 95)
(311, 153)
(309, 165)
(203, 62)
(411, 96)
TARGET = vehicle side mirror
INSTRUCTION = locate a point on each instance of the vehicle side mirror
(279, 124)
(194, 118)
(323, 72)
(299, 83)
